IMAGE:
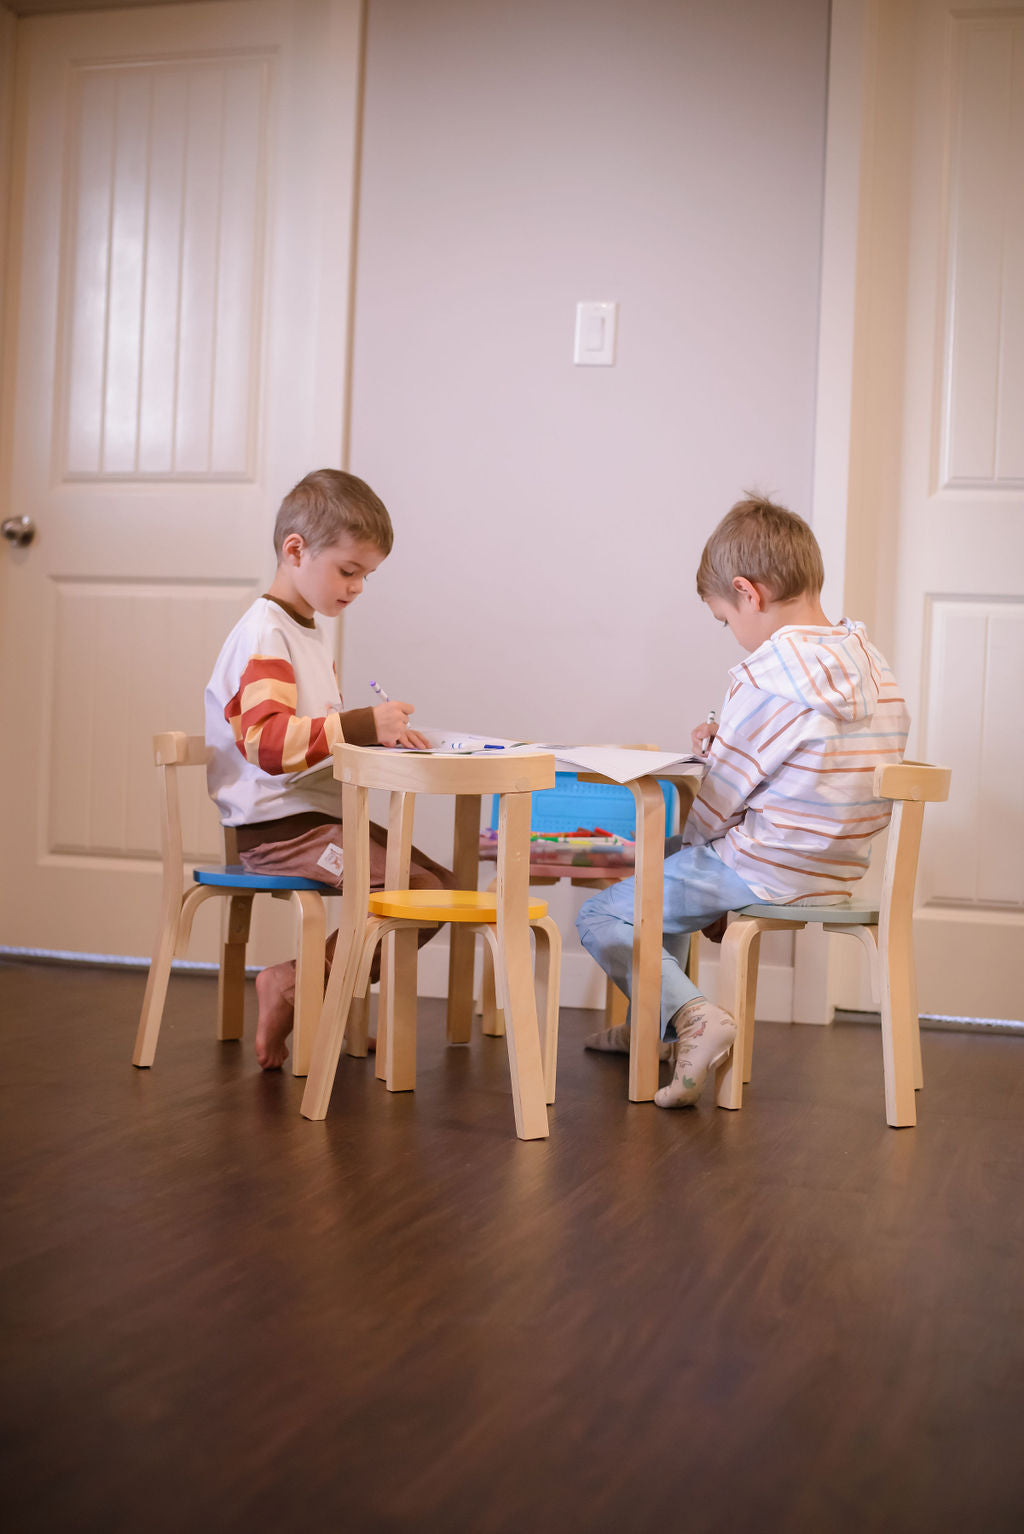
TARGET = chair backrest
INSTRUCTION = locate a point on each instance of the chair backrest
(910, 785)
(423, 772)
(172, 750)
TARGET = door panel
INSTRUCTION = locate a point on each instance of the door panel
(185, 178)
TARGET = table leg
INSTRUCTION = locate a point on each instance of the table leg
(515, 971)
(396, 877)
(645, 1011)
(462, 940)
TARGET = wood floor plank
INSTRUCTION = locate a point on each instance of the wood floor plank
(221, 1316)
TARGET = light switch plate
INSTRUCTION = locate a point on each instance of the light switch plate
(595, 334)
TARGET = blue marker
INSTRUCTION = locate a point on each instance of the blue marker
(380, 692)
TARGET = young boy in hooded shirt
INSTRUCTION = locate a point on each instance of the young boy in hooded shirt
(785, 813)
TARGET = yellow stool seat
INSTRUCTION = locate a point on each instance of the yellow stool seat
(445, 905)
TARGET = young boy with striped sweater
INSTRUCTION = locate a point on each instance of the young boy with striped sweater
(274, 711)
(785, 812)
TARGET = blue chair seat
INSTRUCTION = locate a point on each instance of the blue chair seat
(234, 876)
(844, 915)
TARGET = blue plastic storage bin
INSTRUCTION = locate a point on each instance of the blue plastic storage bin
(572, 803)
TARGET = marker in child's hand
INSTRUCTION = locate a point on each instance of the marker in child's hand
(709, 739)
(380, 692)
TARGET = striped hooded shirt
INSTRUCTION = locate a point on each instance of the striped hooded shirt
(273, 711)
(787, 798)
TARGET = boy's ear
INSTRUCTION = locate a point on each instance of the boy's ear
(291, 549)
(749, 591)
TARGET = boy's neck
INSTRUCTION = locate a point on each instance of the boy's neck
(283, 588)
(804, 611)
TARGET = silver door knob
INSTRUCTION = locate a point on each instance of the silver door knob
(18, 530)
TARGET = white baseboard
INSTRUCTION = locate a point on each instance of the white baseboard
(583, 982)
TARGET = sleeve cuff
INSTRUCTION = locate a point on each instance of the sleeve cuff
(358, 727)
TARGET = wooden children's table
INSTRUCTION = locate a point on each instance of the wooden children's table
(645, 1030)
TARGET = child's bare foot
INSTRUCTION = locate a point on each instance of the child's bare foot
(275, 993)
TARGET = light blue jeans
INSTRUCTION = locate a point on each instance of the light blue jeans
(699, 888)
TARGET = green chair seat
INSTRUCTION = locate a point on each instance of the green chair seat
(845, 915)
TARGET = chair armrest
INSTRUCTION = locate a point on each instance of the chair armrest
(916, 781)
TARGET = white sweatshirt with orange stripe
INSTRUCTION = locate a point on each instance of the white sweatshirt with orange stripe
(787, 797)
(273, 711)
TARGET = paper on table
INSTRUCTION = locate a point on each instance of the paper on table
(618, 763)
(621, 764)
(462, 742)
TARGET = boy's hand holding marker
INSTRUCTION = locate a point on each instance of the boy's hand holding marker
(391, 718)
(702, 737)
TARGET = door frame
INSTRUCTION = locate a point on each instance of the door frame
(847, 454)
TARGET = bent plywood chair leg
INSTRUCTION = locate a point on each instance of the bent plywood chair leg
(522, 1037)
(194, 898)
(693, 959)
(462, 940)
(231, 979)
(400, 1028)
(387, 987)
(357, 1034)
(918, 1062)
(616, 1005)
(156, 991)
(900, 1023)
(493, 1019)
(915, 1018)
(330, 1033)
(738, 988)
(461, 954)
(898, 1036)
(309, 977)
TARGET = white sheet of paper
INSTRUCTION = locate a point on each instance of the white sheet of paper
(621, 764)
(463, 742)
(615, 762)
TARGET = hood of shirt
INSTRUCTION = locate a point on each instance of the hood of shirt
(830, 670)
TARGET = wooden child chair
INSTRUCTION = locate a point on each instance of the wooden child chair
(885, 933)
(396, 913)
(174, 751)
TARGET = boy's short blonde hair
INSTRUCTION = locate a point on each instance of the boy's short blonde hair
(766, 544)
(328, 503)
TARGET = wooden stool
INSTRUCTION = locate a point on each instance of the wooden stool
(395, 913)
(173, 751)
(886, 934)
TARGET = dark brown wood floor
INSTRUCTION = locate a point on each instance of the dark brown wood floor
(221, 1317)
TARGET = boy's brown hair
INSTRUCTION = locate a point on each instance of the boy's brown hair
(326, 504)
(766, 544)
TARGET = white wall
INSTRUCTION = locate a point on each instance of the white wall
(520, 155)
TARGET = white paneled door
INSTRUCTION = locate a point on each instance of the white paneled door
(175, 357)
(958, 535)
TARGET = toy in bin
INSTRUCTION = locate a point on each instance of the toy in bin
(582, 848)
(608, 843)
